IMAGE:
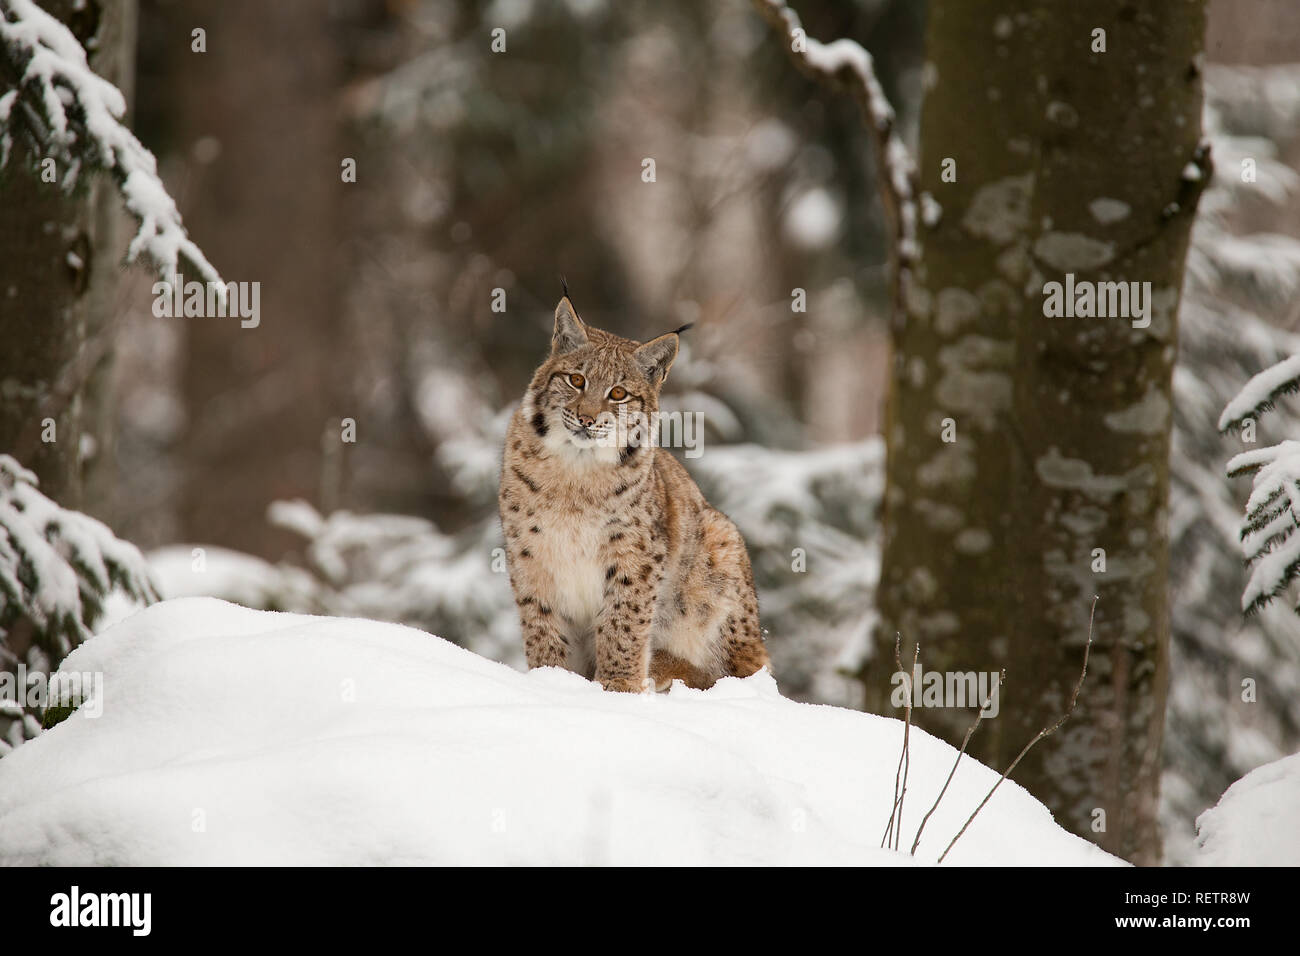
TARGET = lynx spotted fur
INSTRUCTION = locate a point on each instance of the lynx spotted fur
(622, 572)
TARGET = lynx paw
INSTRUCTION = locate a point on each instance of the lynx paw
(628, 685)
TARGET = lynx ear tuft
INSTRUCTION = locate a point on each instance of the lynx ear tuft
(569, 333)
(655, 358)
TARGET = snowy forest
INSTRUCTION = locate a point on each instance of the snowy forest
(994, 314)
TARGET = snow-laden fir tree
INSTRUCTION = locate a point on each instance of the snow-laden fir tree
(1237, 317)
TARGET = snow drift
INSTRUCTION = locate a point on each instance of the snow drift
(229, 736)
(1257, 821)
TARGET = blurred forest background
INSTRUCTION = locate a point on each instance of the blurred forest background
(478, 172)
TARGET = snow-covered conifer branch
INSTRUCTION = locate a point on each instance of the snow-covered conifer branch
(1261, 392)
(57, 569)
(60, 109)
(57, 566)
(1268, 538)
(846, 65)
(1268, 533)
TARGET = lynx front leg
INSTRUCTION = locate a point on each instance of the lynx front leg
(623, 652)
(544, 645)
(623, 628)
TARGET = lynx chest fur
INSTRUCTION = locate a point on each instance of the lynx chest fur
(621, 571)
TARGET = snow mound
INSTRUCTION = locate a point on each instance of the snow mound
(232, 736)
(1256, 821)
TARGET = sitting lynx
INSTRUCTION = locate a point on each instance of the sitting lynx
(621, 570)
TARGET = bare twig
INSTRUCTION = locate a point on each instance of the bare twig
(969, 733)
(895, 824)
(893, 810)
(907, 728)
(889, 827)
(1045, 732)
(845, 65)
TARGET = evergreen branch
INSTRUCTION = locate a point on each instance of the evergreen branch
(1261, 393)
(60, 109)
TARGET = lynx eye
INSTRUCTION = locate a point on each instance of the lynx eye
(576, 380)
(618, 393)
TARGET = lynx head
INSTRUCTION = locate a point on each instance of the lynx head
(596, 396)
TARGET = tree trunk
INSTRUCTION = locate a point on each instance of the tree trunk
(59, 267)
(258, 113)
(1068, 160)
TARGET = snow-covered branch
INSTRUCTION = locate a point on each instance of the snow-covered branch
(1268, 534)
(57, 570)
(844, 64)
(57, 566)
(1259, 394)
(61, 110)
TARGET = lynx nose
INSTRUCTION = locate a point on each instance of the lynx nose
(586, 421)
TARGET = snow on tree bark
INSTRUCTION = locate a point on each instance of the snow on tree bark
(1067, 160)
(58, 267)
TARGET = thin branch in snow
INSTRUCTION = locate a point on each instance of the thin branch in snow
(895, 824)
(844, 64)
(1045, 732)
(62, 110)
(907, 750)
(960, 753)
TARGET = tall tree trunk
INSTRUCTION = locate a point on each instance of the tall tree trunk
(1067, 161)
(259, 114)
(59, 268)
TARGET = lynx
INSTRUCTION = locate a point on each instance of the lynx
(622, 572)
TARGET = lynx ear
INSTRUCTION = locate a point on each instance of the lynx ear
(655, 358)
(569, 333)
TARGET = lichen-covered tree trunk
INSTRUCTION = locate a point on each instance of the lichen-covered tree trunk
(59, 255)
(1028, 454)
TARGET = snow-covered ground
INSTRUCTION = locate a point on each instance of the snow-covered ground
(229, 735)
(1257, 821)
